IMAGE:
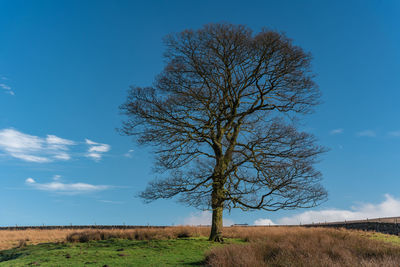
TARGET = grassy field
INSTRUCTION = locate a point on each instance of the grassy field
(112, 252)
(188, 246)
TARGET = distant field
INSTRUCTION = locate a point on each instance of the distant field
(188, 246)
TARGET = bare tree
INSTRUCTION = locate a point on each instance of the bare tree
(220, 117)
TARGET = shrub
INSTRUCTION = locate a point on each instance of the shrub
(85, 236)
(137, 234)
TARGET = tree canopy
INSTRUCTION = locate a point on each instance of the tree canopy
(221, 118)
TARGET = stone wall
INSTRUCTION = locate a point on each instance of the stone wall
(381, 227)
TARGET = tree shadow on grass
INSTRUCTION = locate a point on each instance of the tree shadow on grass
(10, 254)
(15, 253)
(196, 263)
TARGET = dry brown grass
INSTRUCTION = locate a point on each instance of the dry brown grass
(296, 246)
(16, 238)
(13, 238)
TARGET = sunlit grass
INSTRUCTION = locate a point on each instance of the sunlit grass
(113, 252)
(393, 239)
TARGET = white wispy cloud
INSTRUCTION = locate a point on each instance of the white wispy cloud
(6, 88)
(29, 181)
(72, 188)
(336, 131)
(59, 145)
(96, 150)
(367, 133)
(394, 133)
(389, 207)
(203, 218)
(62, 156)
(33, 148)
(56, 142)
(129, 153)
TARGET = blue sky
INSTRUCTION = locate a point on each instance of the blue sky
(65, 67)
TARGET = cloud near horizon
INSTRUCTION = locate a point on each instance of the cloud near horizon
(33, 148)
(203, 218)
(390, 207)
(72, 189)
(263, 222)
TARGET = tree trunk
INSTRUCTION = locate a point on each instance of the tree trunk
(217, 204)
(216, 226)
(217, 199)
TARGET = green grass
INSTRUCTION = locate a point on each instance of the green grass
(393, 239)
(113, 252)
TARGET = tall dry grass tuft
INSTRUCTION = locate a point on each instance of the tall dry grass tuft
(137, 234)
(283, 246)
